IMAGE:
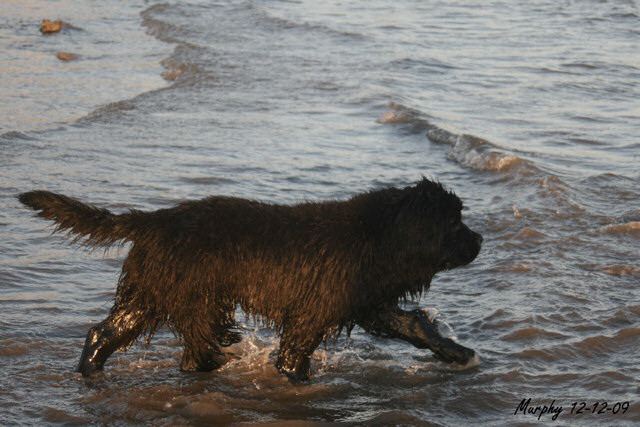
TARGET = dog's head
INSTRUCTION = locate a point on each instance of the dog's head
(437, 215)
(426, 233)
(460, 245)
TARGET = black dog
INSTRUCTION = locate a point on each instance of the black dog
(309, 270)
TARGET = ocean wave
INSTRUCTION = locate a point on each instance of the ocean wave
(278, 24)
(629, 228)
(206, 180)
(13, 347)
(617, 270)
(622, 270)
(527, 237)
(108, 112)
(180, 68)
(398, 114)
(158, 28)
(528, 233)
(16, 136)
(476, 153)
(410, 120)
(468, 150)
(532, 333)
(589, 347)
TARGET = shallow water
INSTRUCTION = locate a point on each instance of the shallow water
(527, 110)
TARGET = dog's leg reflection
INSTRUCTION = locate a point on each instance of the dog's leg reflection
(118, 331)
(416, 328)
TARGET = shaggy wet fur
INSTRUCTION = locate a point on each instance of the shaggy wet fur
(309, 270)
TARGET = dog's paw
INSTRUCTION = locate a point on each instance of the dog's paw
(295, 377)
(88, 368)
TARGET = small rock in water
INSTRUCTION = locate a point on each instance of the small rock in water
(66, 56)
(49, 27)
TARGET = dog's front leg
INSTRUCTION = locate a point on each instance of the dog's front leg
(119, 330)
(416, 328)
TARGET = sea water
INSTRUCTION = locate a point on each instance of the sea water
(528, 110)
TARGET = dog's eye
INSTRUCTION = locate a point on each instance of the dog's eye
(456, 218)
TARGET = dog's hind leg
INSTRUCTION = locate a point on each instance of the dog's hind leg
(203, 356)
(118, 331)
(202, 342)
(297, 344)
(416, 328)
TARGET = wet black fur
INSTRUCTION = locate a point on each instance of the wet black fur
(309, 269)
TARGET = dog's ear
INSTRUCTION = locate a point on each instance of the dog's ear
(426, 188)
(421, 195)
(430, 196)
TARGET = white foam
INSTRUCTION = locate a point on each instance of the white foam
(390, 116)
(431, 313)
(470, 152)
(472, 363)
(516, 212)
(397, 114)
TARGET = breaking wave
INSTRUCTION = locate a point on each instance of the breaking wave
(467, 150)
(630, 228)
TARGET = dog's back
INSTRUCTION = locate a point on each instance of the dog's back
(198, 259)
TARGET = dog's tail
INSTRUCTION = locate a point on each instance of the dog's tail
(93, 226)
